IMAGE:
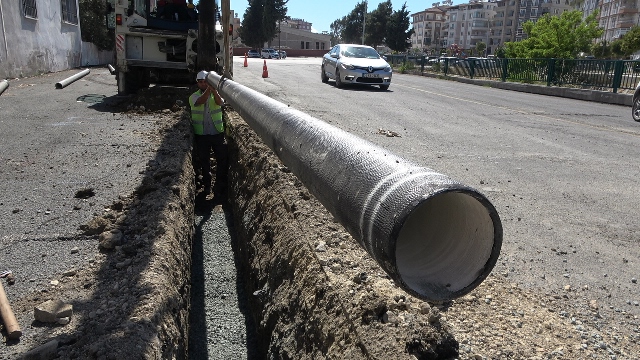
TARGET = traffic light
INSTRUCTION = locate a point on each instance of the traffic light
(230, 29)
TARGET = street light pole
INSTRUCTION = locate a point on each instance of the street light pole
(364, 21)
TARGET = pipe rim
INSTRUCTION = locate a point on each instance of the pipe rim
(476, 272)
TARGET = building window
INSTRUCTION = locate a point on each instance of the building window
(317, 45)
(307, 45)
(29, 9)
(69, 11)
(301, 44)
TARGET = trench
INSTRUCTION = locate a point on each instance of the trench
(260, 288)
(220, 324)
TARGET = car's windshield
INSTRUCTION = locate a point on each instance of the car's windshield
(360, 52)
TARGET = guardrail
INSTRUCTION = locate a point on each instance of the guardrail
(593, 74)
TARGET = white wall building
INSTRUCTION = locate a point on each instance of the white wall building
(40, 36)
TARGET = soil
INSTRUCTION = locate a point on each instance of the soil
(316, 293)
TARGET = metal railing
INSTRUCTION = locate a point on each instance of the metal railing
(608, 75)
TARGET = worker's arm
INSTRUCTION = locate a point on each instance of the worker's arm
(217, 97)
(203, 98)
(205, 95)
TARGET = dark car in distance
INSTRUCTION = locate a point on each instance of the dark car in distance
(253, 53)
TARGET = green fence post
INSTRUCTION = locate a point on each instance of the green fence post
(422, 64)
(617, 74)
(472, 68)
(446, 66)
(504, 62)
(551, 71)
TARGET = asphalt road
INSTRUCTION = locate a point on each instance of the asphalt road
(562, 173)
(55, 143)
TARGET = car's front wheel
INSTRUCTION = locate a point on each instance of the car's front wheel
(323, 76)
(384, 87)
(635, 111)
(339, 83)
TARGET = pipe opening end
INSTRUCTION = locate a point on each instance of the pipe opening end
(448, 245)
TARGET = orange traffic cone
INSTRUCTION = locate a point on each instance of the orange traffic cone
(265, 73)
(245, 60)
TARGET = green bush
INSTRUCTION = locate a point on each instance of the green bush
(406, 65)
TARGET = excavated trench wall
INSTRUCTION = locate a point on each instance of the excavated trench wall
(315, 292)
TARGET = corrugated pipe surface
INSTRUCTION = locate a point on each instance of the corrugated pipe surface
(435, 237)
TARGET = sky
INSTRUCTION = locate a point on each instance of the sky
(321, 13)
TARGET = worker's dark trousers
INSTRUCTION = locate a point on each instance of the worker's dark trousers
(204, 144)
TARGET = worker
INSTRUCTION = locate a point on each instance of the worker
(208, 128)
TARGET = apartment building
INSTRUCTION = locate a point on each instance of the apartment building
(469, 24)
(616, 17)
(295, 23)
(428, 25)
(495, 22)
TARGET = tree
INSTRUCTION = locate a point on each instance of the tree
(353, 22)
(260, 21)
(251, 27)
(616, 48)
(93, 24)
(376, 26)
(631, 41)
(480, 47)
(274, 11)
(563, 36)
(337, 27)
(398, 36)
(601, 50)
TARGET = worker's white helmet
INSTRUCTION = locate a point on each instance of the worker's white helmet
(201, 75)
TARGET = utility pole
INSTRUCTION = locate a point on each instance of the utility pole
(364, 20)
(226, 13)
(206, 35)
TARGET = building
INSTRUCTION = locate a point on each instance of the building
(616, 17)
(492, 22)
(293, 38)
(428, 25)
(469, 24)
(37, 37)
(299, 24)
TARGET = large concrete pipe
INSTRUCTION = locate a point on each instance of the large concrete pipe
(112, 70)
(4, 84)
(437, 238)
(69, 80)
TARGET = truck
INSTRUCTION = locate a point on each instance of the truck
(157, 42)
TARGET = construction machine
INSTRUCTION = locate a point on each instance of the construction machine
(156, 41)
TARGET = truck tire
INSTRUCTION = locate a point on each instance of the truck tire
(134, 80)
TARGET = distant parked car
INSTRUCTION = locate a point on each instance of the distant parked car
(253, 53)
(283, 54)
(355, 64)
(635, 109)
(270, 54)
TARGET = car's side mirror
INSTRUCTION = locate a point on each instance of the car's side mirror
(334, 55)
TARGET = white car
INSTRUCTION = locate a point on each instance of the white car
(355, 64)
(269, 54)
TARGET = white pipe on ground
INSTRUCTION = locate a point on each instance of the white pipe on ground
(69, 80)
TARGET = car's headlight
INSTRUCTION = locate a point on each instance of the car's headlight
(387, 69)
(347, 66)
